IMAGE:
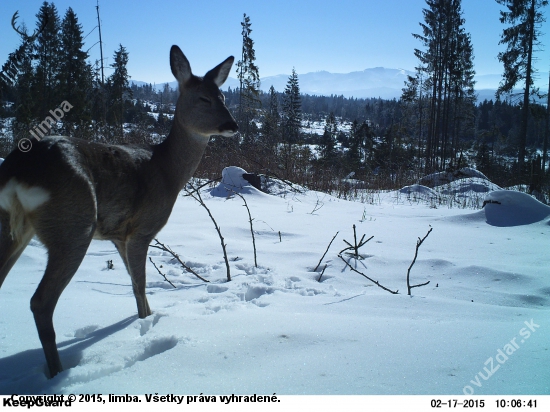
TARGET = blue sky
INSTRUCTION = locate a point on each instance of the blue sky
(337, 36)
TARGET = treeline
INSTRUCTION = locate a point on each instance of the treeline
(50, 67)
(312, 140)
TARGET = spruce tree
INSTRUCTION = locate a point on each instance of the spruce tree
(21, 93)
(47, 56)
(327, 143)
(291, 119)
(270, 123)
(521, 39)
(25, 108)
(292, 110)
(446, 76)
(356, 143)
(119, 91)
(75, 76)
(249, 84)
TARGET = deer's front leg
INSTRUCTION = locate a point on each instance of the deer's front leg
(134, 255)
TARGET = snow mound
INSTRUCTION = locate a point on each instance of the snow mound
(509, 208)
(468, 186)
(418, 190)
(233, 181)
(441, 178)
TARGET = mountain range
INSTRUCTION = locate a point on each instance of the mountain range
(374, 82)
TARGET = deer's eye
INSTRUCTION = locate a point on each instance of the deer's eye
(204, 99)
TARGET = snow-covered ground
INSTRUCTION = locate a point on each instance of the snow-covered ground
(480, 326)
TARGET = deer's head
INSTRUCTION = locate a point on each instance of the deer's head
(201, 105)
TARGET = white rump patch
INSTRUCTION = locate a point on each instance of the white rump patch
(30, 197)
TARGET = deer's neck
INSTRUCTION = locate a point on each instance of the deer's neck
(179, 154)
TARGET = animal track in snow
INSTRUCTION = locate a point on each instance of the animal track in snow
(83, 332)
(216, 288)
(148, 323)
(256, 291)
(152, 348)
(113, 358)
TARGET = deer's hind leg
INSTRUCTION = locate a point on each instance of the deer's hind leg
(67, 237)
(11, 247)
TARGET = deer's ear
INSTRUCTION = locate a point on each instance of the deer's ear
(219, 73)
(180, 66)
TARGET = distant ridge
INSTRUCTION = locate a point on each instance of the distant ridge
(375, 82)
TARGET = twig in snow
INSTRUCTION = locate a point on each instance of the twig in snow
(318, 205)
(162, 246)
(197, 196)
(251, 228)
(418, 243)
(372, 280)
(323, 271)
(162, 274)
(355, 247)
(196, 189)
(324, 254)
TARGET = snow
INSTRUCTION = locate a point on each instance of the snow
(509, 208)
(439, 178)
(275, 328)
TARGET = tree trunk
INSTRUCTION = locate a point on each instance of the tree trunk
(526, 93)
(546, 131)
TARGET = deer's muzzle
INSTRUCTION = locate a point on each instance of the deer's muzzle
(228, 128)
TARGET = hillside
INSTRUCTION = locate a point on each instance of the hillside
(375, 82)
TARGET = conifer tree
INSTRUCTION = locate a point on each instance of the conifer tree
(521, 39)
(291, 120)
(446, 77)
(292, 110)
(75, 76)
(24, 102)
(357, 137)
(249, 84)
(270, 123)
(47, 56)
(119, 91)
(327, 143)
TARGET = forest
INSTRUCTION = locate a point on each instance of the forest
(319, 142)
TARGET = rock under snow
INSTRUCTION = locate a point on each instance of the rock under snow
(233, 181)
(511, 208)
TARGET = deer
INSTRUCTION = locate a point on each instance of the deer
(67, 191)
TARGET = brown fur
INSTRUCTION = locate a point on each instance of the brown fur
(68, 191)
